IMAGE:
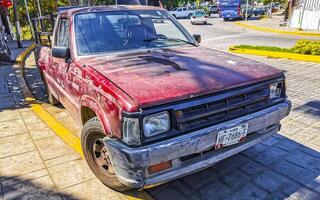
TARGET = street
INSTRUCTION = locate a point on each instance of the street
(286, 166)
(220, 35)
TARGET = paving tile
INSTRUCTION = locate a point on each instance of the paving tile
(13, 127)
(92, 189)
(271, 141)
(20, 164)
(248, 191)
(62, 159)
(253, 169)
(56, 111)
(305, 194)
(270, 181)
(52, 147)
(25, 177)
(304, 160)
(70, 173)
(9, 114)
(299, 174)
(39, 131)
(69, 123)
(16, 144)
(310, 151)
(288, 145)
(290, 129)
(270, 156)
(30, 118)
(170, 194)
(41, 188)
(184, 189)
(304, 136)
(235, 179)
(254, 151)
(215, 190)
(201, 178)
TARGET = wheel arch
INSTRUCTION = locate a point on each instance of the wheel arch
(91, 108)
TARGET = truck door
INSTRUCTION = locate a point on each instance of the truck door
(184, 12)
(60, 64)
(179, 13)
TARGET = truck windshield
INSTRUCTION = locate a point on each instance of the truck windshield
(120, 31)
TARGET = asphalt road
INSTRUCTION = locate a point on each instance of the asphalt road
(219, 34)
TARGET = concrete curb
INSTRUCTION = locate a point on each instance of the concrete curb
(269, 30)
(273, 54)
(22, 56)
(58, 128)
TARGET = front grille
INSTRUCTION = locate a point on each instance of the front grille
(223, 109)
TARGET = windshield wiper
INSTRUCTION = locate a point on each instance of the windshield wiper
(170, 39)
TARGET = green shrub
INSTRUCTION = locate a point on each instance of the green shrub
(264, 48)
(309, 47)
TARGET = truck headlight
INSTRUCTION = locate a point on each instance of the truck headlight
(276, 90)
(156, 124)
(131, 131)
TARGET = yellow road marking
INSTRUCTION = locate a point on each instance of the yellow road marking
(68, 137)
(270, 30)
(291, 56)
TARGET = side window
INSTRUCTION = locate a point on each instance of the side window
(184, 9)
(179, 10)
(63, 33)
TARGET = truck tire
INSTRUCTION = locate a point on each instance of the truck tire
(189, 16)
(97, 156)
(51, 98)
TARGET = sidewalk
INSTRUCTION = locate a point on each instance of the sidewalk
(275, 24)
(15, 51)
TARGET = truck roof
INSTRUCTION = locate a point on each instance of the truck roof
(76, 10)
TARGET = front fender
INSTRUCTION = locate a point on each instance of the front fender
(94, 105)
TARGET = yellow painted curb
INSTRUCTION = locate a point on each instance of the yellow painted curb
(291, 56)
(259, 28)
(69, 138)
(24, 54)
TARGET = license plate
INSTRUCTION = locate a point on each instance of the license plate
(231, 136)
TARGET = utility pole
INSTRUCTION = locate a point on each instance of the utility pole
(302, 15)
(247, 6)
(17, 24)
(271, 8)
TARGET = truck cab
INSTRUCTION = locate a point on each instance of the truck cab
(182, 12)
(153, 104)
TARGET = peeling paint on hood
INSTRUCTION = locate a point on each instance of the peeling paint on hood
(167, 75)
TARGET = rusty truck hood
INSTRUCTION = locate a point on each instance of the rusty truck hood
(163, 76)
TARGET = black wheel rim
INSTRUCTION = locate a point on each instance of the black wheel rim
(101, 157)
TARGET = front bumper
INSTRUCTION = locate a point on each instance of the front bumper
(131, 163)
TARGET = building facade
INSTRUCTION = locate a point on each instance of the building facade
(305, 14)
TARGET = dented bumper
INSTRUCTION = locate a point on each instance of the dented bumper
(131, 163)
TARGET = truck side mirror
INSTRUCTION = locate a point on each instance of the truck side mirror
(61, 52)
(197, 37)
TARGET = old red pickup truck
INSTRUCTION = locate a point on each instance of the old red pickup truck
(154, 104)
